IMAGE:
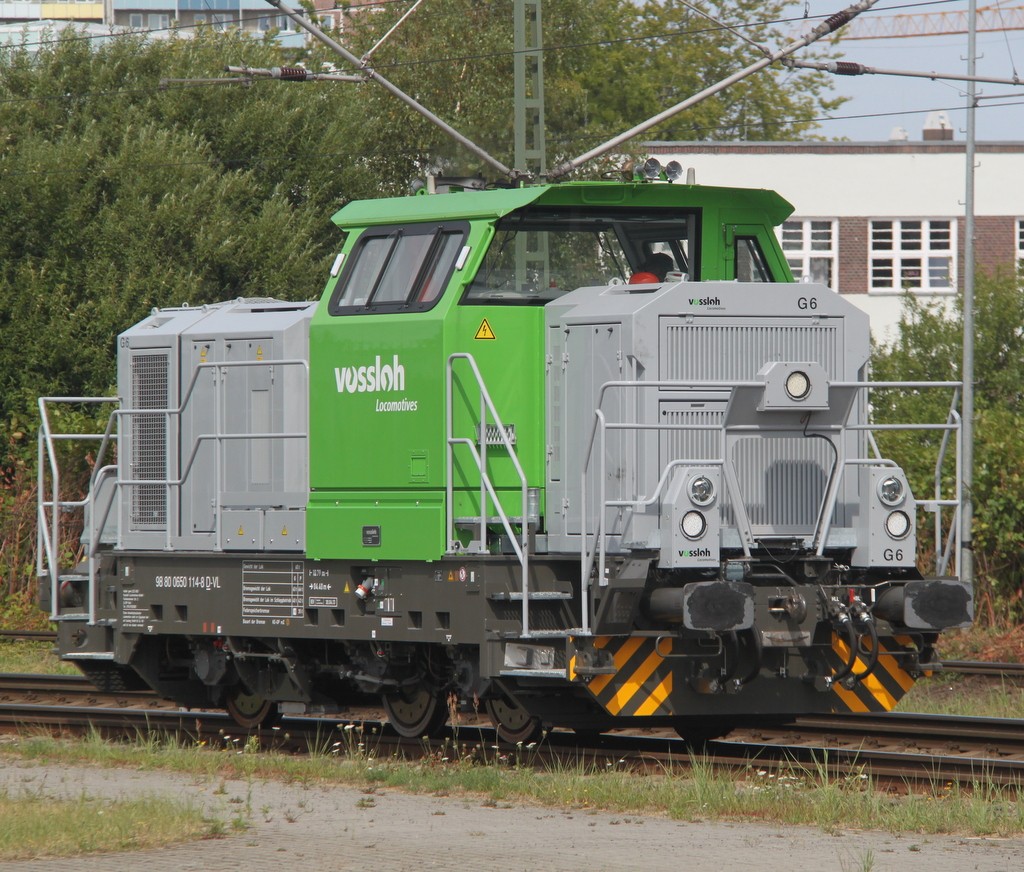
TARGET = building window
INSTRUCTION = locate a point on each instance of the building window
(159, 22)
(1020, 243)
(199, 18)
(222, 21)
(810, 248)
(912, 255)
(135, 21)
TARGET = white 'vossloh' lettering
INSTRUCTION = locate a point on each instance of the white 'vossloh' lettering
(371, 379)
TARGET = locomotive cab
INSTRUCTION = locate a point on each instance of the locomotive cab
(473, 277)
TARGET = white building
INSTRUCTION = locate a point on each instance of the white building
(161, 17)
(876, 219)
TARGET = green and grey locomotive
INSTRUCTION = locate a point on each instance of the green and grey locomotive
(487, 463)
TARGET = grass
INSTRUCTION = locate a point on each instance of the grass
(21, 655)
(797, 795)
(37, 826)
(965, 695)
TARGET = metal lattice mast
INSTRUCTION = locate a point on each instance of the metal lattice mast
(528, 73)
(532, 265)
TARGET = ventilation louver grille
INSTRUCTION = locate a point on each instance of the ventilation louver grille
(781, 480)
(149, 441)
(735, 352)
(492, 434)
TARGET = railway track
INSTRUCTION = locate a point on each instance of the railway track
(907, 748)
(29, 635)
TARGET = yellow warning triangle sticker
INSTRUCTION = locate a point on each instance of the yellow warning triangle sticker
(485, 331)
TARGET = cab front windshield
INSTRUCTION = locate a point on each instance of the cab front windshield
(539, 254)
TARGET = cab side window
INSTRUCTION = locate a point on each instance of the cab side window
(751, 265)
(397, 269)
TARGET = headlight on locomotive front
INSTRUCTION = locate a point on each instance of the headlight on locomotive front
(798, 385)
(693, 525)
(891, 490)
(702, 490)
(690, 522)
(897, 525)
(889, 534)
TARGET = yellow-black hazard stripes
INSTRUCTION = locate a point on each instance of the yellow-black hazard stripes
(642, 683)
(879, 691)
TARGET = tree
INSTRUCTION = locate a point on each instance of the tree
(608, 65)
(929, 346)
(122, 192)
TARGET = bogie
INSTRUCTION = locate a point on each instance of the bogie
(250, 710)
(420, 710)
(513, 723)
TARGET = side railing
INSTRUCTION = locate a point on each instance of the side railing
(50, 505)
(594, 539)
(488, 495)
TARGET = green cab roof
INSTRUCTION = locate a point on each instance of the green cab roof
(498, 202)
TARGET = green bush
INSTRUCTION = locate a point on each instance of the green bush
(929, 346)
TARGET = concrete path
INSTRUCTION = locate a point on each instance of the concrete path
(304, 829)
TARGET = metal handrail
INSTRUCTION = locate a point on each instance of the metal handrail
(95, 530)
(48, 529)
(601, 425)
(486, 485)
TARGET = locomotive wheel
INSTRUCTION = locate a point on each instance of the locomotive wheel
(418, 711)
(250, 710)
(512, 722)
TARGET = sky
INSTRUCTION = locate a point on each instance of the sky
(880, 103)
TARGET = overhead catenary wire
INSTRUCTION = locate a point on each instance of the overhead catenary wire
(830, 25)
(848, 68)
(393, 89)
(566, 143)
(550, 48)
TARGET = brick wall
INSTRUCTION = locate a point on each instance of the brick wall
(853, 256)
(994, 243)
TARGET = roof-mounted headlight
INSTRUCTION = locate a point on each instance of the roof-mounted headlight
(652, 168)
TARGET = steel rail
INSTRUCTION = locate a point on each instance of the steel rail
(956, 763)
